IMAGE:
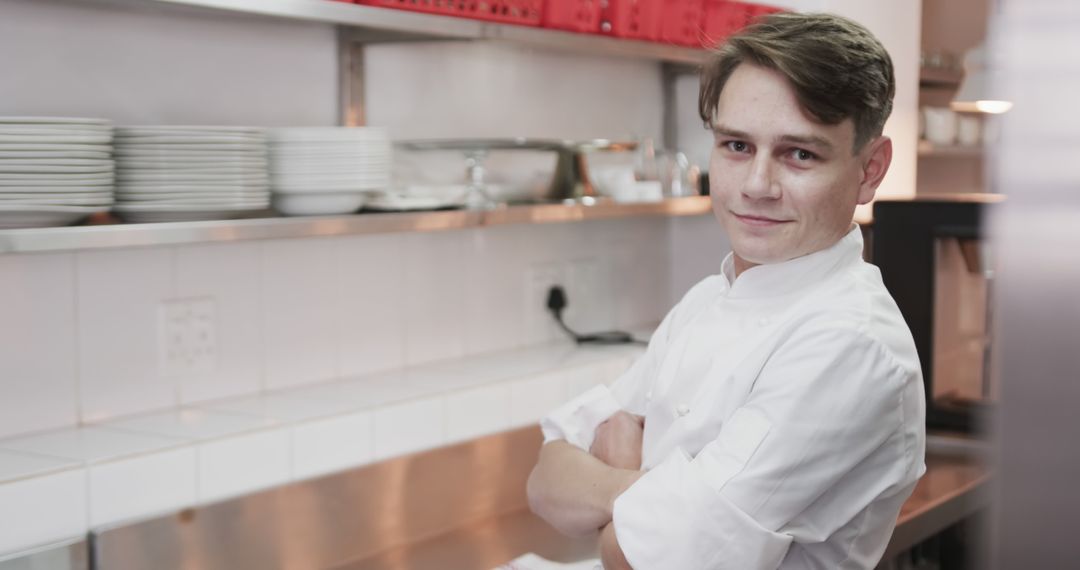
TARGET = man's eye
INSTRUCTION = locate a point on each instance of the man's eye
(737, 146)
(802, 155)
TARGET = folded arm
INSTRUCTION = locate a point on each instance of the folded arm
(574, 491)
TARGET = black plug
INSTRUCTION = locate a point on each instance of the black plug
(556, 299)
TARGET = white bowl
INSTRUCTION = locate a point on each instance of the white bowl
(318, 203)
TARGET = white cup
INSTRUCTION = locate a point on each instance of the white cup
(969, 130)
(941, 125)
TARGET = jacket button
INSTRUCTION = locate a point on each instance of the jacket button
(682, 410)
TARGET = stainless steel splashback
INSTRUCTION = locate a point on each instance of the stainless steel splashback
(336, 519)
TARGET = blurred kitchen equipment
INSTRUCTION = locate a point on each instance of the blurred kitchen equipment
(976, 93)
(495, 172)
(941, 125)
(969, 130)
(935, 263)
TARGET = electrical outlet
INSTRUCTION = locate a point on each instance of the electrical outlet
(540, 326)
(188, 336)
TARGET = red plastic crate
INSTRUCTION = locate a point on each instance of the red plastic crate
(723, 18)
(573, 15)
(682, 22)
(523, 12)
(633, 19)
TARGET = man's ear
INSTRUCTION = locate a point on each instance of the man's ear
(877, 157)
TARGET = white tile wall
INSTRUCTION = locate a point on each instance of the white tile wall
(581, 97)
(495, 302)
(119, 295)
(370, 284)
(408, 427)
(37, 343)
(434, 296)
(230, 275)
(300, 311)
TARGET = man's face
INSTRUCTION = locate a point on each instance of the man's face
(782, 184)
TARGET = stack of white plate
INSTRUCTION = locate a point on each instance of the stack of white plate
(328, 170)
(183, 173)
(54, 170)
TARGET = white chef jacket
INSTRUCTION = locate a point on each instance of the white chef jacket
(784, 420)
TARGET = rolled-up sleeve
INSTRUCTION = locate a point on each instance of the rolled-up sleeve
(822, 407)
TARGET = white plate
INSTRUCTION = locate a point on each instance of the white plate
(245, 172)
(304, 181)
(56, 147)
(54, 195)
(23, 155)
(54, 179)
(322, 170)
(54, 162)
(122, 149)
(321, 204)
(304, 134)
(200, 202)
(191, 162)
(381, 148)
(167, 175)
(45, 139)
(187, 129)
(186, 140)
(53, 120)
(240, 198)
(23, 216)
(70, 189)
(48, 200)
(45, 169)
(31, 131)
(168, 213)
(200, 151)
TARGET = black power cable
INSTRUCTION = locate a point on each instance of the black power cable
(556, 302)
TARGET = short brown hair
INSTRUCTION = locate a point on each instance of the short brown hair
(836, 66)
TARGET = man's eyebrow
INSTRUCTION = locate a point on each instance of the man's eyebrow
(811, 140)
(730, 132)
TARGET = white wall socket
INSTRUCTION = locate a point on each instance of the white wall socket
(187, 336)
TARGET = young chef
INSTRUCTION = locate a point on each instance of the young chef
(776, 418)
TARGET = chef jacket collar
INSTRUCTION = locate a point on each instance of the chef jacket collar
(786, 277)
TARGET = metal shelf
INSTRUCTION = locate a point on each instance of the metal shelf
(938, 77)
(375, 24)
(142, 235)
(928, 149)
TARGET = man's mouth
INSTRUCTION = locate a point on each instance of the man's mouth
(755, 220)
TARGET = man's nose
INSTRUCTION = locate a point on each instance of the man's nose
(761, 184)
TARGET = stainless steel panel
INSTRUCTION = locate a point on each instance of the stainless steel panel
(338, 519)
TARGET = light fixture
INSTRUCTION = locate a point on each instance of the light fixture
(975, 93)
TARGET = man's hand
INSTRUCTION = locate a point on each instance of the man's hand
(618, 441)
